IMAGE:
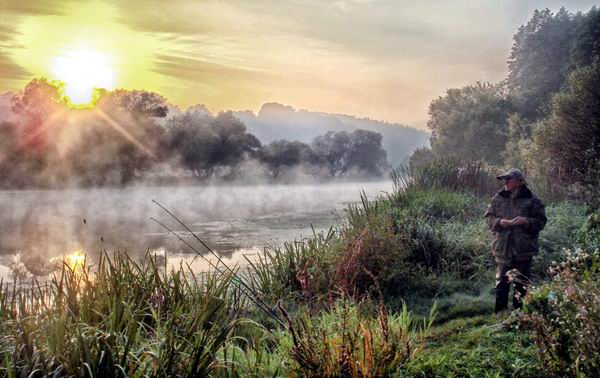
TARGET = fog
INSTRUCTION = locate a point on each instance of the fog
(276, 121)
(38, 225)
(137, 136)
(84, 179)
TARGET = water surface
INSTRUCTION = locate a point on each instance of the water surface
(234, 221)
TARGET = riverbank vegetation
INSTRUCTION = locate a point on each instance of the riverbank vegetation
(403, 287)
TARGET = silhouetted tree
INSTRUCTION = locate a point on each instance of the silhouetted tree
(285, 154)
(332, 148)
(366, 154)
(204, 142)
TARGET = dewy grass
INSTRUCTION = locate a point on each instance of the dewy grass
(125, 319)
(424, 243)
(344, 342)
(452, 174)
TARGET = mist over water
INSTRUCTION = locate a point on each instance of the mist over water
(38, 225)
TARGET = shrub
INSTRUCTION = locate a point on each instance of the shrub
(564, 315)
(563, 229)
(344, 342)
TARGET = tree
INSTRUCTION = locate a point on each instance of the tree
(421, 157)
(366, 153)
(570, 138)
(136, 103)
(332, 148)
(204, 142)
(586, 46)
(470, 122)
(540, 60)
(285, 154)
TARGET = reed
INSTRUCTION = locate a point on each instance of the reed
(124, 318)
(453, 174)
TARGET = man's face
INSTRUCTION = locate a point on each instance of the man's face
(512, 184)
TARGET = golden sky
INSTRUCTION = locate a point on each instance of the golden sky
(383, 59)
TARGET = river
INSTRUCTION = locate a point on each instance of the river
(40, 227)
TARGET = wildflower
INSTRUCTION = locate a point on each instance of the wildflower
(552, 297)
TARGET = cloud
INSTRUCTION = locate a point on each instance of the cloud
(9, 70)
(35, 7)
(181, 18)
(197, 69)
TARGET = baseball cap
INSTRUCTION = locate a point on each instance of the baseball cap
(513, 173)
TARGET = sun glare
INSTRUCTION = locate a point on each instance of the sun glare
(76, 260)
(82, 71)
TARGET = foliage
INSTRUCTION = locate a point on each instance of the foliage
(563, 230)
(586, 46)
(131, 135)
(345, 342)
(476, 347)
(126, 319)
(343, 152)
(282, 154)
(422, 156)
(540, 60)
(450, 173)
(470, 122)
(570, 138)
(564, 316)
(205, 142)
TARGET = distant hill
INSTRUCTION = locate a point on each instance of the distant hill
(276, 121)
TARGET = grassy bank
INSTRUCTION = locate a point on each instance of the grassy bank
(402, 288)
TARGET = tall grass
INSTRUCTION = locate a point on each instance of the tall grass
(452, 174)
(123, 319)
(343, 342)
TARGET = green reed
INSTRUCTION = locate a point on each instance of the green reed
(123, 318)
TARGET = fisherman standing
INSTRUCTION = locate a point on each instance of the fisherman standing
(516, 217)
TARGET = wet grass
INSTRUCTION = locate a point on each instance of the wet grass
(402, 288)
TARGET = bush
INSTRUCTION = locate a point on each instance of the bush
(412, 242)
(562, 231)
(344, 342)
(564, 315)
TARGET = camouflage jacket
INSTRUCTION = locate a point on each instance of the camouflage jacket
(520, 242)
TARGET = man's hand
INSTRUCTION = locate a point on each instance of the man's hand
(506, 223)
(518, 221)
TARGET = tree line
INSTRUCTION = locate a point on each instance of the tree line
(138, 135)
(543, 117)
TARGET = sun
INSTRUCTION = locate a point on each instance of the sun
(82, 71)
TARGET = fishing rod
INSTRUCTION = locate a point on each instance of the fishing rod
(219, 259)
(254, 297)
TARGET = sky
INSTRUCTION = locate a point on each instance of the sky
(382, 59)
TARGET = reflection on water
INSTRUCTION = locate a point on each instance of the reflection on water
(38, 226)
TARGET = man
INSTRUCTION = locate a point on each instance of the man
(516, 218)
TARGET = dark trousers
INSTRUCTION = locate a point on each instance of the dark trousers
(520, 280)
